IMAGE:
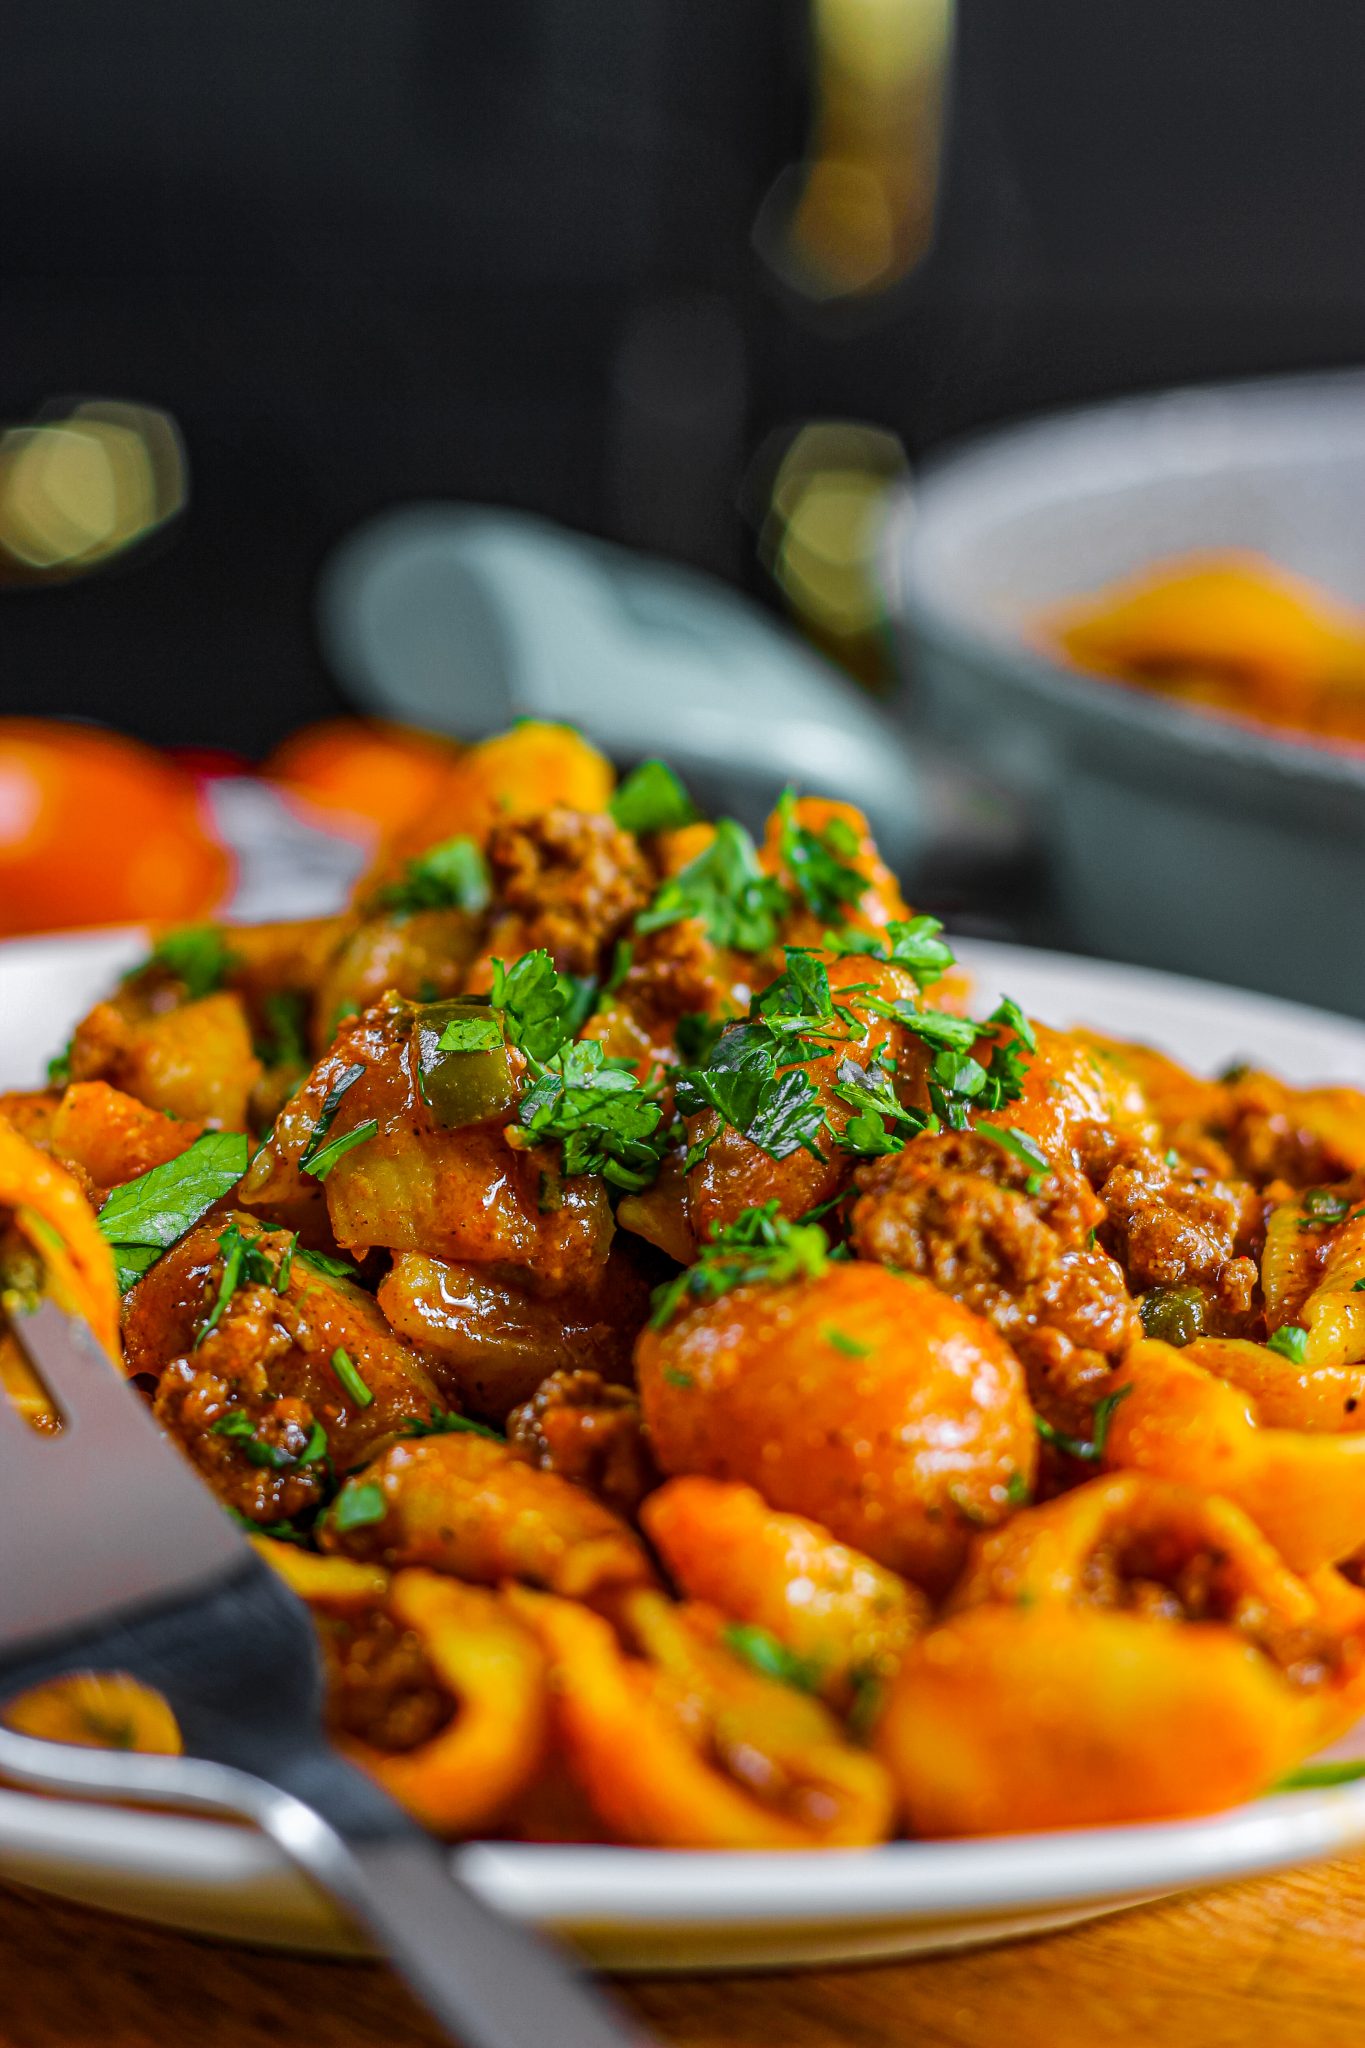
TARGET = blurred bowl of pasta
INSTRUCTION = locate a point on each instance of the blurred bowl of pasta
(1146, 620)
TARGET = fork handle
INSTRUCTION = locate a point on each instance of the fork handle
(493, 1983)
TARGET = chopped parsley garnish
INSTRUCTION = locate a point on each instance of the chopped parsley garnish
(760, 1246)
(939, 1028)
(743, 1083)
(755, 1077)
(1077, 1446)
(278, 1532)
(59, 1067)
(603, 1119)
(537, 1004)
(594, 1107)
(358, 1507)
(244, 1264)
(320, 1163)
(238, 1425)
(146, 1216)
(800, 996)
(819, 862)
(917, 947)
(651, 799)
(1289, 1342)
(851, 1347)
(869, 1692)
(451, 876)
(346, 1370)
(323, 1262)
(674, 1378)
(1016, 1490)
(1020, 1147)
(762, 1651)
(622, 960)
(913, 944)
(958, 1082)
(1321, 1209)
(331, 1103)
(445, 1422)
(725, 887)
(869, 1092)
(1312, 1777)
(196, 954)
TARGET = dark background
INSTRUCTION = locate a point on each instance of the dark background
(365, 252)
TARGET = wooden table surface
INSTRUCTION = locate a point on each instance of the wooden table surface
(1265, 1965)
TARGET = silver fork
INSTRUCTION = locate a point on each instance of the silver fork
(114, 1557)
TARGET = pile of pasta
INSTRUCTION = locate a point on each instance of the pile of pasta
(710, 1390)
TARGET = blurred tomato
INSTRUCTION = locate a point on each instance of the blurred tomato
(371, 778)
(96, 829)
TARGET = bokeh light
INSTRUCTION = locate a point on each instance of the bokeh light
(76, 490)
(822, 525)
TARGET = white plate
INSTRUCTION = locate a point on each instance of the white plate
(647, 1909)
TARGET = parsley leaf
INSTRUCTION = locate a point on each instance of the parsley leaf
(604, 1120)
(800, 993)
(1007, 1016)
(779, 1111)
(760, 1246)
(536, 1001)
(651, 799)
(144, 1217)
(1321, 1209)
(1090, 1451)
(939, 1028)
(243, 1263)
(451, 876)
(958, 1081)
(358, 1507)
(790, 1116)
(622, 960)
(726, 888)
(850, 1347)
(335, 1269)
(818, 862)
(59, 1067)
(763, 1652)
(445, 1422)
(869, 1092)
(1021, 1147)
(1290, 1341)
(916, 946)
(348, 1372)
(331, 1103)
(196, 954)
(1310, 1777)
(238, 1426)
(912, 943)
(320, 1163)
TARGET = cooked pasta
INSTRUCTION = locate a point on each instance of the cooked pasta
(710, 1389)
